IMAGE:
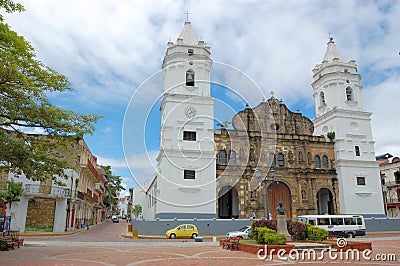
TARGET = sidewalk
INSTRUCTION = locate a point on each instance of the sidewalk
(58, 233)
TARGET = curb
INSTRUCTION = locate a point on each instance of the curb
(223, 237)
(383, 233)
(163, 237)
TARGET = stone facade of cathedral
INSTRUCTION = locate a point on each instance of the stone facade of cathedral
(271, 143)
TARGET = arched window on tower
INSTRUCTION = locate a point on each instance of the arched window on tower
(281, 160)
(357, 149)
(322, 98)
(222, 157)
(324, 162)
(349, 94)
(190, 77)
(232, 157)
(317, 162)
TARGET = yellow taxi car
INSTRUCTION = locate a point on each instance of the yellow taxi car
(183, 230)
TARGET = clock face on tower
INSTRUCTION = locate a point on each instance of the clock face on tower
(190, 112)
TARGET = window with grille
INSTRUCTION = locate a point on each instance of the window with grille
(360, 181)
(189, 135)
(324, 162)
(222, 157)
(189, 174)
(317, 161)
(281, 160)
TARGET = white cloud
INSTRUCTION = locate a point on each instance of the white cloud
(107, 50)
(140, 166)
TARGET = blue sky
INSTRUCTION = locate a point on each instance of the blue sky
(109, 50)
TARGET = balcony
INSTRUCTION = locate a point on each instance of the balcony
(80, 195)
(393, 200)
(90, 170)
(395, 183)
(46, 191)
(99, 187)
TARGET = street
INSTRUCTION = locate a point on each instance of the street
(104, 245)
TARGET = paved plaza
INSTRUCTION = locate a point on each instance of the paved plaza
(104, 245)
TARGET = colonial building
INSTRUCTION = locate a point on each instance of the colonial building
(269, 142)
(58, 204)
(390, 175)
(87, 204)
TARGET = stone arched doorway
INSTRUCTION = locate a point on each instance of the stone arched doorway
(228, 203)
(325, 201)
(279, 191)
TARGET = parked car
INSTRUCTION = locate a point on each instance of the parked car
(115, 219)
(241, 233)
(183, 230)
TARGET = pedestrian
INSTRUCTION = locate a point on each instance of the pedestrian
(254, 215)
(82, 223)
(87, 225)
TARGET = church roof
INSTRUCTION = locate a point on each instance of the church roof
(187, 35)
(332, 52)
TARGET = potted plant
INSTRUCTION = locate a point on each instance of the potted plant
(331, 135)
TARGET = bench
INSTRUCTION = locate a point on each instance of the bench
(15, 237)
(232, 243)
(6, 242)
(10, 239)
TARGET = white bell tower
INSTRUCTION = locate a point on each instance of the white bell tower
(185, 184)
(340, 112)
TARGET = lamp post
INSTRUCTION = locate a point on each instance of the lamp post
(266, 182)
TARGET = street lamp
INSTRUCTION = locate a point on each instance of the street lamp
(265, 182)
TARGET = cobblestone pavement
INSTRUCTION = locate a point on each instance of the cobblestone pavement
(103, 245)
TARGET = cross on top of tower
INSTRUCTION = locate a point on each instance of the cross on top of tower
(330, 35)
(272, 93)
(187, 15)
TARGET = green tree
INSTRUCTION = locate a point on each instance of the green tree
(113, 186)
(25, 83)
(12, 193)
(136, 210)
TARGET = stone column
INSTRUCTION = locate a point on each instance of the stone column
(60, 215)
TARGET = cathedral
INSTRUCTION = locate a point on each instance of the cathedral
(272, 145)
(270, 155)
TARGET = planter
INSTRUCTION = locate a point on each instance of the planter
(253, 249)
(351, 245)
(271, 249)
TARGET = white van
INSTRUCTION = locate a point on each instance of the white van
(341, 225)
